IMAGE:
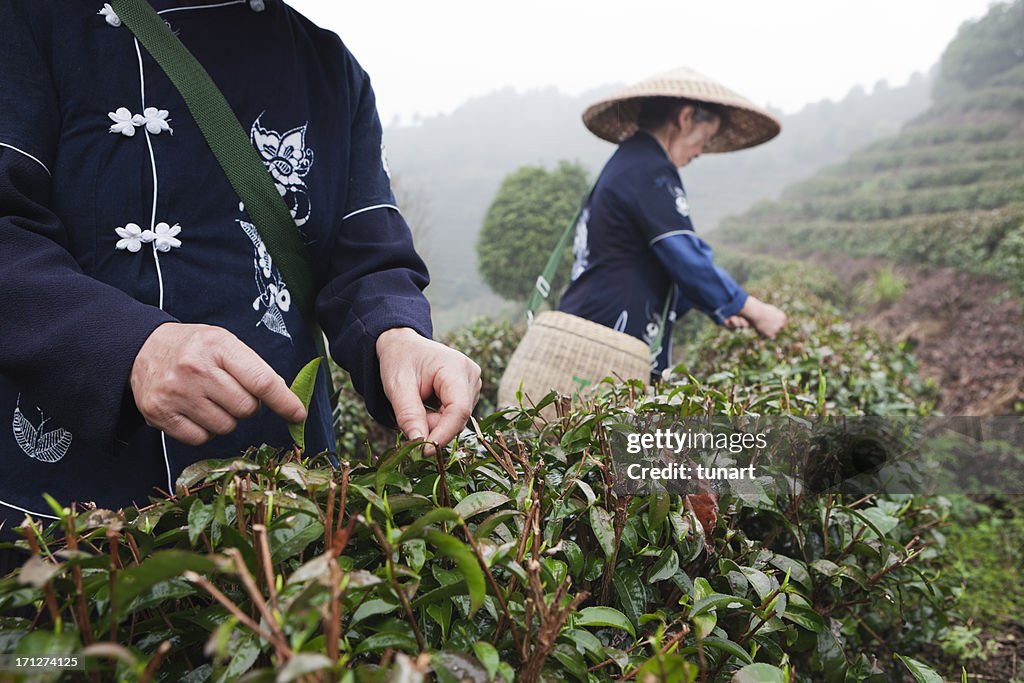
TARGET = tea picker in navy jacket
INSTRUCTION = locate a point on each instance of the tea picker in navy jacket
(143, 326)
(635, 244)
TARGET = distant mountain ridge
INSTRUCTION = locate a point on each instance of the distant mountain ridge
(947, 190)
(452, 165)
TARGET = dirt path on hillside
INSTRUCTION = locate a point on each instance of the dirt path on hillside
(966, 331)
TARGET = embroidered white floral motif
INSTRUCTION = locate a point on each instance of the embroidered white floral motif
(164, 237)
(288, 161)
(123, 122)
(132, 237)
(263, 260)
(281, 296)
(655, 321)
(384, 160)
(107, 12)
(155, 120)
(273, 299)
(43, 446)
(682, 206)
(579, 246)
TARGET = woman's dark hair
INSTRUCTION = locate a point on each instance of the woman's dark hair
(655, 112)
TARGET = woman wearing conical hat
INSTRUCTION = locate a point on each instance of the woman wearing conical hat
(635, 242)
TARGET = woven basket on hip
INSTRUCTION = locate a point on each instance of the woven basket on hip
(568, 354)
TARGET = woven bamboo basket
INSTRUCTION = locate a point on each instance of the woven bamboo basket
(570, 355)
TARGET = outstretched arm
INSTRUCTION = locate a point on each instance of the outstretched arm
(662, 215)
(711, 289)
(372, 307)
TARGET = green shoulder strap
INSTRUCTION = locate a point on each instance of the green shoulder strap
(542, 288)
(230, 145)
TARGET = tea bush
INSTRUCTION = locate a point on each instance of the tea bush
(511, 556)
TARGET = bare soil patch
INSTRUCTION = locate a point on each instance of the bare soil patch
(966, 330)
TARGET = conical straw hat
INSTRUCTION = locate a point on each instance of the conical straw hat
(746, 124)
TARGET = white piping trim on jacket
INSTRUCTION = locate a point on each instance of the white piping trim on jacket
(167, 463)
(152, 226)
(672, 233)
(27, 512)
(219, 4)
(4, 144)
(371, 208)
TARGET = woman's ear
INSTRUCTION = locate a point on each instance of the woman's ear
(685, 118)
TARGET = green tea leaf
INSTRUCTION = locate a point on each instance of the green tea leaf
(573, 556)
(292, 537)
(488, 656)
(666, 566)
(922, 673)
(804, 616)
(379, 642)
(759, 673)
(467, 564)
(390, 462)
(726, 646)
(303, 663)
(571, 660)
(658, 509)
(302, 387)
(493, 521)
(415, 530)
(667, 667)
(199, 517)
(703, 624)
(244, 656)
(605, 616)
(372, 608)
(478, 502)
(588, 492)
(601, 524)
(631, 593)
(456, 667)
(715, 601)
(830, 657)
(762, 585)
(441, 613)
(48, 644)
(160, 566)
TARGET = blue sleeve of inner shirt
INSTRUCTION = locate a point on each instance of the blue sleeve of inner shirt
(688, 260)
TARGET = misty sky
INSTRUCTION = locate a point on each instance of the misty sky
(429, 57)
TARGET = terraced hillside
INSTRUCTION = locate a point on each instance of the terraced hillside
(948, 190)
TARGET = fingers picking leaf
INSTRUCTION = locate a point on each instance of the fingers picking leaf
(302, 387)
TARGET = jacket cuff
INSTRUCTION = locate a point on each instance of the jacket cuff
(730, 308)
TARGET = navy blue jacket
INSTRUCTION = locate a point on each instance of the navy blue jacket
(116, 218)
(635, 246)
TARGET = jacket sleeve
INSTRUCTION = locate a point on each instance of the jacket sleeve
(376, 278)
(662, 214)
(67, 341)
(708, 287)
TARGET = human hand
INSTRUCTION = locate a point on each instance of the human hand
(765, 318)
(195, 381)
(412, 369)
(736, 322)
